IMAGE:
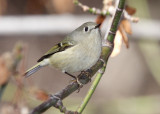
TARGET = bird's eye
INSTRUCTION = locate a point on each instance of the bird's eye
(86, 29)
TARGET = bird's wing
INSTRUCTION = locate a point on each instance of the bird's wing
(57, 48)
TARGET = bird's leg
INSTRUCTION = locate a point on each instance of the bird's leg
(77, 80)
(71, 75)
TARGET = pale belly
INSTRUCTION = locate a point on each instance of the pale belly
(76, 58)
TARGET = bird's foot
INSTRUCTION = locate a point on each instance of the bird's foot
(88, 74)
(80, 85)
(75, 79)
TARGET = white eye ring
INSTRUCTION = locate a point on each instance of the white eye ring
(86, 29)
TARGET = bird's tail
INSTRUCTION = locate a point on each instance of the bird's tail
(32, 70)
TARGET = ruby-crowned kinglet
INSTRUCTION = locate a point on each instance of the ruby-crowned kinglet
(79, 51)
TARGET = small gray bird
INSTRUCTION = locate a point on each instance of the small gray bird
(79, 51)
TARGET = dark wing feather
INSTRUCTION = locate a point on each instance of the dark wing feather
(44, 57)
(57, 48)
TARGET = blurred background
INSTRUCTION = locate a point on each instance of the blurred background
(131, 82)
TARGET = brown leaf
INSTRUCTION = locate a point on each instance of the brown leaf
(124, 36)
(100, 19)
(117, 44)
(130, 10)
(39, 94)
(127, 26)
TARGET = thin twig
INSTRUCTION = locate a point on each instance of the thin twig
(94, 10)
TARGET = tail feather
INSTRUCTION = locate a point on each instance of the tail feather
(32, 70)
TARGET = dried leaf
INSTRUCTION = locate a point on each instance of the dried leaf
(124, 36)
(117, 44)
(127, 26)
(130, 10)
(100, 19)
(39, 94)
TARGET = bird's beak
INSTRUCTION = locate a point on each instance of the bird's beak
(97, 26)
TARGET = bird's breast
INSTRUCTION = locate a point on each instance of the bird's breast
(79, 57)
